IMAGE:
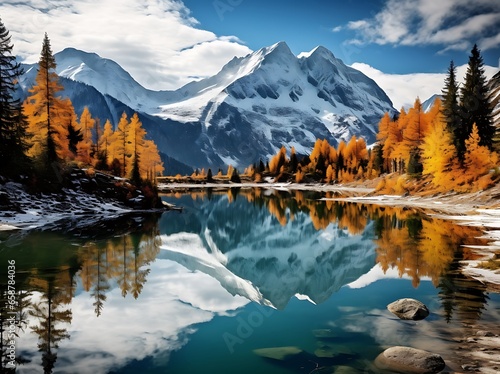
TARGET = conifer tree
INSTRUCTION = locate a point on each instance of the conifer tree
(85, 146)
(48, 113)
(13, 122)
(451, 109)
(438, 153)
(104, 155)
(478, 159)
(136, 135)
(74, 137)
(151, 164)
(120, 147)
(474, 104)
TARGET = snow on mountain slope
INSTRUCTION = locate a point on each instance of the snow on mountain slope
(109, 78)
(247, 111)
(428, 104)
(270, 98)
(494, 96)
(251, 254)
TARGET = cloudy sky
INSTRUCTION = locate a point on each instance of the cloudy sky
(166, 43)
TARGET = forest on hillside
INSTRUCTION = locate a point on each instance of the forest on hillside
(454, 145)
(42, 140)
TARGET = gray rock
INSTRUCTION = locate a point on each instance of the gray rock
(408, 309)
(410, 360)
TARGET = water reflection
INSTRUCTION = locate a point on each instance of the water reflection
(288, 243)
(91, 302)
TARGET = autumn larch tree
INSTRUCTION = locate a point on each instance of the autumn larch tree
(85, 146)
(47, 113)
(105, 141)
(151, 164)
(474, 103)
(136, 136)
(120, 147)
(13, 123)
(439, 154)
(478, 159)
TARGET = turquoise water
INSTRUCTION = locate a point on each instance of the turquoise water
(237, 277)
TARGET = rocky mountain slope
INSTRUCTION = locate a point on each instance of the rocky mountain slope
(246, 112)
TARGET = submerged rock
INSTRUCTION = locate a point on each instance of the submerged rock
(323, 334)
(408, 309)
(278, 353)
(346, 370)
(410, 360)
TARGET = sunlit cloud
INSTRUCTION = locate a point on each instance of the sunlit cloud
(403, 89)
(158, 42)
(460, 23)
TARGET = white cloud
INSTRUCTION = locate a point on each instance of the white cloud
(403, 89)
(157, 42)
(423, 22)
(166, 313)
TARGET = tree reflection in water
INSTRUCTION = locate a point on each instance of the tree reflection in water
(413, 243)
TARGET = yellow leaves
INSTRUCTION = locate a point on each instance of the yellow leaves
(439, 154)
(299, 176)
(84, 147)
(151, 164)
(478, 158)
(278, 161)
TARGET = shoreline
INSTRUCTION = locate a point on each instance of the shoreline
(480, 209)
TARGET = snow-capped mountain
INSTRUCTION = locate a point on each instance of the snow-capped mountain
(252, 255)
(246, 112)
(427, 104)
(109, 78)
(271, 97)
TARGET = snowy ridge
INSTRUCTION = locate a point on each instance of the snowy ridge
(108, 78)
(278, 98)
(268, 263)
(246, 112)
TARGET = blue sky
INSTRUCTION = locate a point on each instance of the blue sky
(304, 24)
(164, 44)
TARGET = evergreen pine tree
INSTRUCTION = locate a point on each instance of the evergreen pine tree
(474, 104)
(74, 137)
(262, 167)
(235, 177)
(451, 109)
(13, 122)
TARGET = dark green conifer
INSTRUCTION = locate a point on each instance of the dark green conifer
(474, 103)
(451, 109)
(13, 122)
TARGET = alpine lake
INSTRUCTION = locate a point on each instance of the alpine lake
(241, 281)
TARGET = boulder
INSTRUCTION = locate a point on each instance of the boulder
(410, 360)
(408, 309)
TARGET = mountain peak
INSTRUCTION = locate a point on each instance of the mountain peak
(318, 52)
(278, 53)
(278, 47)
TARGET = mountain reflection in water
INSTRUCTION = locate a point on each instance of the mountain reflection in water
(133, 299)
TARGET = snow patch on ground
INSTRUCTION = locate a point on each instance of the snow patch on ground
(37, 211)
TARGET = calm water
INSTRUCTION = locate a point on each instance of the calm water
(210, 289)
